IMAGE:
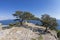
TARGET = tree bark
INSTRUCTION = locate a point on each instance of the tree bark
(46, 29)
(21, 22)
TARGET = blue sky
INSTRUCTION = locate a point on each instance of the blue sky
(36, 7)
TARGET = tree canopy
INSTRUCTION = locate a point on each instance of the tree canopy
(22, 15)
(48, 21)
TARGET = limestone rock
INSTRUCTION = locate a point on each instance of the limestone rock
(17, 33)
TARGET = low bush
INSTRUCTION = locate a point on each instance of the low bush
(58, 34)
(11, 24)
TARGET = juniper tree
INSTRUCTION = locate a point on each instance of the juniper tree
(48, 21)
(22, 15)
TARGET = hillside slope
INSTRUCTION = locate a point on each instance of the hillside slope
(23, 33)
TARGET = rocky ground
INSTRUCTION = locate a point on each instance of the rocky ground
(23, 33)
(48, 37)
(17, 33)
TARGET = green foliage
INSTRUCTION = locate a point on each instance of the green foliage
(27, 16)
(58, 34)
(48, 21)
(17, 23)
(21, 16)
(11, 25)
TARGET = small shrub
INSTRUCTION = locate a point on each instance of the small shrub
(58, 34)
(33, 39)
(11, 24)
